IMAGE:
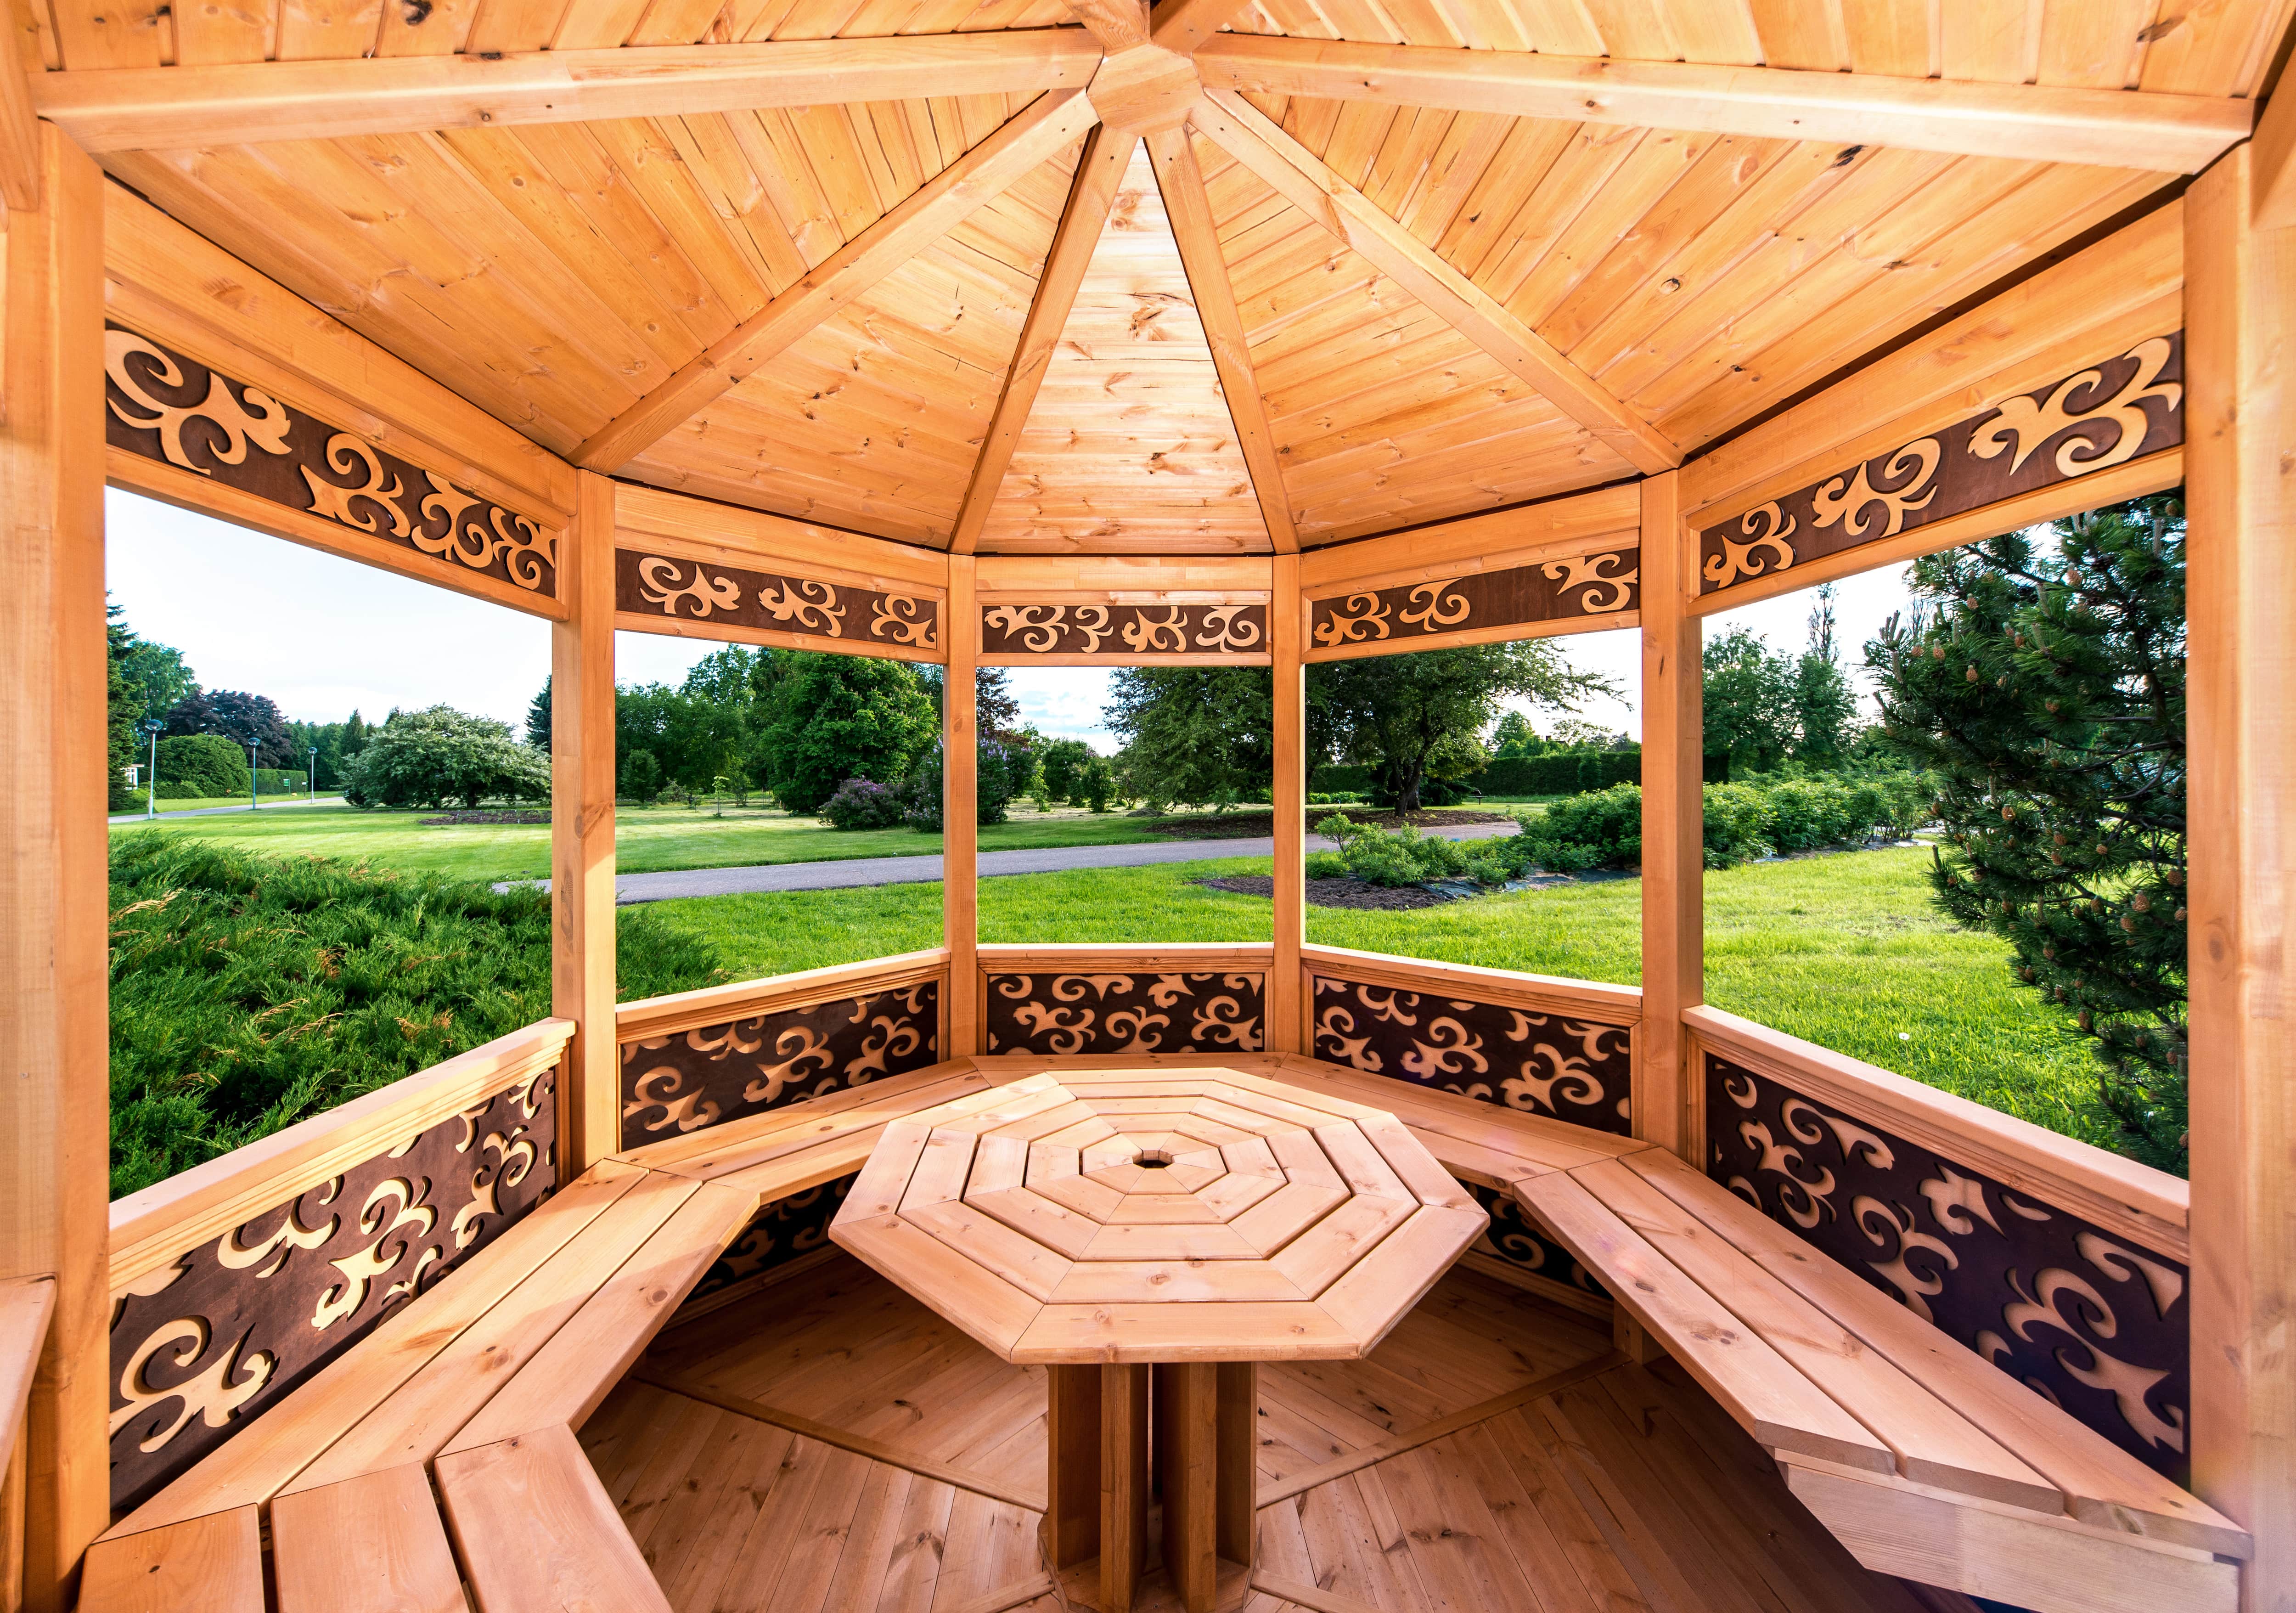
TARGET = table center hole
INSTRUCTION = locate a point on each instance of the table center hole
(1152, 1159)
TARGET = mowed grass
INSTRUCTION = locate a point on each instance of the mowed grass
(1845, 950)
(646, 839)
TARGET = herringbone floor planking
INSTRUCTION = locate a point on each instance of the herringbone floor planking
(831, 1444)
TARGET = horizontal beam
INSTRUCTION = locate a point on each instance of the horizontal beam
(2042, 123)
(1300, 178)
(165, 108)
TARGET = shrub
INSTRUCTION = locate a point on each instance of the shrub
(1598, 830)
(435, 757)
(1098, 783)
(1337, 798)
(1326, 865)
(919, 793)
(864, 803)
(641, 776)
(249, 991)
(197, 765)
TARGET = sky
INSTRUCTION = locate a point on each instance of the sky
(322, 636)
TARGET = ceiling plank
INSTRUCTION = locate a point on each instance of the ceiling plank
(169, 108)
(1106, 155)
(1039, 132)
(1294, 173)
(21, 162)
(1184, 25)
(2037, 123)
(1190, 211)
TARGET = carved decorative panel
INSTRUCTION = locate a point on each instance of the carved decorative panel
(2078, 1314)
(1519, 1240)
(680, 1082)
(1061, 1014)
(2104, 415)
(778, 1233)
(1551, 590)
(175, 410)
(1124, 632)
(697, 590)
(1559, 1064)
(202, 1348)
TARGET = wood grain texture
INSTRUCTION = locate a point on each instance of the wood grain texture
(535, 1529)
(375, 1545)
(207, 1565)
(582, 832)
(1674, 890)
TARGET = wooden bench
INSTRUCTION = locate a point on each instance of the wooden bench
(480, 1385)
(1925, 1460)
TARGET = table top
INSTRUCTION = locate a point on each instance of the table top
(1159, 1215)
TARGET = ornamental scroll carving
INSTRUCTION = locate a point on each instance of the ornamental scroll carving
(695, 590)
(1565, 1066)
(780, 1232)
(201, 1348)
(2104, 416)
(1124, 632)
(687, 1080)
(1553, 590)
(1516, 1238)
(2086, 1318)
(162, 405)
(1119, 1012)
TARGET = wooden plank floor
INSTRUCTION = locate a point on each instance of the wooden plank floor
(831, 1444)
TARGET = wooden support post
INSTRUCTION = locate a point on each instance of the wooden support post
(1123, 1483)
(1071, 1529)
(54, 1059)
(1287, 1031)
(582, 834)
(1187, 1478)
(1674, 832)
(1239, 1461)
(960, 838)
(2240, 334)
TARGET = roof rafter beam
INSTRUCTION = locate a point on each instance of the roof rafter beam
(1106, 155)
(1119, 25)
(1295, 173)
(2040, 123)
(21, 164)
(1189, 207)
(165, 108)
(1040, 131)
(1184, 25)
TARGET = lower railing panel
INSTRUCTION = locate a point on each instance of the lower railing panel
(1084, 1000)
(2088, 1309)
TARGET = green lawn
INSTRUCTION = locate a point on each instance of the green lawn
(646, 838)
(1845, 950)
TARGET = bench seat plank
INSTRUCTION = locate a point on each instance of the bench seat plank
(753, 1140)
(1541, 1142)
(431, 1408)
(537, 1534)
(2104, 1484)
(255, 1467)
(1757, 1385)
(372, 1545)
(202, 1565)
(1935, 1444)
(585, 1359)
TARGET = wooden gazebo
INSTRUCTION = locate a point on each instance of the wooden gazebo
(1041, 334)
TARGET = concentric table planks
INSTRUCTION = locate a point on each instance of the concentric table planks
(1198, 1222)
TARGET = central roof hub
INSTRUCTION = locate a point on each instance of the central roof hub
(1144, 90)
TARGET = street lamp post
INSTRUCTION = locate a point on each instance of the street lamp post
(311, 776)
(152, 726)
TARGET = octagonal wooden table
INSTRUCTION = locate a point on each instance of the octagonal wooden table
(1149, 1236)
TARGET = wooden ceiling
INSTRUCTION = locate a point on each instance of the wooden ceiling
(989, 320)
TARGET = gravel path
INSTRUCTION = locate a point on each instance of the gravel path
(917, 870)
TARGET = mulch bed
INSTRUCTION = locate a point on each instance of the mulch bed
(488, 818)
(1241, 826)
(1335, 893)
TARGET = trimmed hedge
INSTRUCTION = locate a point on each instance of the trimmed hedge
(1557, 773)
(200, 765)
(1742, 821)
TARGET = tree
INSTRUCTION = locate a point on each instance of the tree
(2045, 691)
(239, 716)
(428, 758)
(995, 711)
(640, 779)
(1097, 783)
(157, 677)
(1822, 699)
(1201, 734)
(1749, 700)
(538, 717)
(1515, 737)
(922, 791)
(1417, 717)
(121, 709)
(1064, 762)
(355, 736)
(838, 717)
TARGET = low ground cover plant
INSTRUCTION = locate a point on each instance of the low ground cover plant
(249, 991)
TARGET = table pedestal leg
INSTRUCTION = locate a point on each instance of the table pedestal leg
(1072, 1532)
(1187, 1474)
(1238, 1445)
(1123, 1483)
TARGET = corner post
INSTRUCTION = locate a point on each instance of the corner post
(2240, 323)
(54, 1099)
(960, 837)
(582, 834)
(1674, 828)
(1287, 1007)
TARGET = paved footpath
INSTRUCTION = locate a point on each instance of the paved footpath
(237, 806)
(918, 870)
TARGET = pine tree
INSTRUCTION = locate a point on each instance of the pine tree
(353, 739)
(538, 718)
(1823, 701)
(121, 709)
(2046, 692)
